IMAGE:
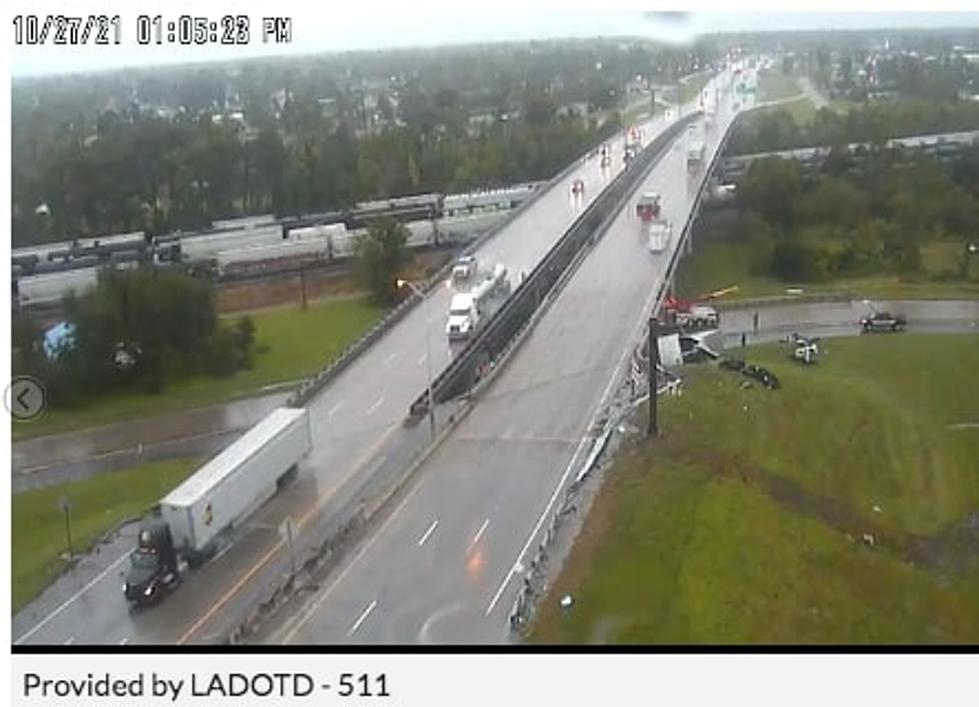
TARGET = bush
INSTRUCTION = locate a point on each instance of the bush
(222, 353)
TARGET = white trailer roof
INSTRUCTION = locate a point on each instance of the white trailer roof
(225, 463)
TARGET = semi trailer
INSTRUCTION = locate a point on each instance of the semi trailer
(197, 517)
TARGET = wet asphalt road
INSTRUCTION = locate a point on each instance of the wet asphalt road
(357, 428)
(447, 564)
(69, 456)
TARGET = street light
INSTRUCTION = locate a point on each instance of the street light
(414, 287)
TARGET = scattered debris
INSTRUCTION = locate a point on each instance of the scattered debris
(876, 508)
(567, 601)
(745, 385)
(868, 539)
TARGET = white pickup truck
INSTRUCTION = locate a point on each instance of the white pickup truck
(464, 268)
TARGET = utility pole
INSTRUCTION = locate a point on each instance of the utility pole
(302, 285)
(65, 505)
(653, 429)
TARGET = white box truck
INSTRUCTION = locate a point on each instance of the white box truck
(659, 234)
(219, 495)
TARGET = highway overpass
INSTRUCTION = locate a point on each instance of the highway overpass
(450, 559)
(360, 443)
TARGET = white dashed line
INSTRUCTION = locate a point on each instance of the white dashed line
(431, 529)
(363, 617)
(479, 534)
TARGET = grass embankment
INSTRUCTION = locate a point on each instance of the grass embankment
(290, 344)
(744, 522)
(723, 263)
(97, 505)
(691, 85)
(803, 110)
(774, 86)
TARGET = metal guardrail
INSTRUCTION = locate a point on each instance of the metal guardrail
(487, 345)
(780, 300)
(331, 370)
(685, 233)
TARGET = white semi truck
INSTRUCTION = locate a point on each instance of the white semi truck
(467, 310)
(196, 515)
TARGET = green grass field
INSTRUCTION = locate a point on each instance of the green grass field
(97, 505)
(693, 85)
(744, 522)
(724, 263)
(803, 110)
(774, 86)
(290, 344)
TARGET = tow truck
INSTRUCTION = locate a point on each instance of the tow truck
(694, 313)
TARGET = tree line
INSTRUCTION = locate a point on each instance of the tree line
(140, 150)
(857, 217)
(777, 129)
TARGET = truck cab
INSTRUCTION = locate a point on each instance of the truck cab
(648, 206)
(153, 568)
(463, 317)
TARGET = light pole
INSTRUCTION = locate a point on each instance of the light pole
(428, 354)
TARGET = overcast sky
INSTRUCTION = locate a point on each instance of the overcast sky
(368, 25)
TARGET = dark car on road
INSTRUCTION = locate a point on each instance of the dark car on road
(883, 321)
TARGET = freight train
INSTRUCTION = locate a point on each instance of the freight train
(259, 245)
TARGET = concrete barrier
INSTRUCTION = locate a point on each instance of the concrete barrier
(466, 369)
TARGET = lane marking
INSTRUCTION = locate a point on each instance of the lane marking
(428, 533)
(363, 617)
(479, 534)
(391, 357)
(72, 599)
(69, 641)
(517, 564)
(376, 405)
(314, 606)
(329, 413)
(281, 543)
(302, 522)
(421, 360)
(123, 641)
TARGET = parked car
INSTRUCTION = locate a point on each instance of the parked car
(883, 321)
